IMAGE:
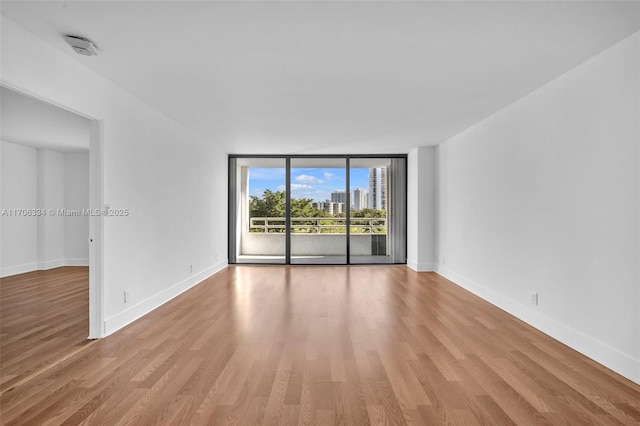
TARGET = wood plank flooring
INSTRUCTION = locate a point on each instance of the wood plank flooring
(356, 345)
(44, 316)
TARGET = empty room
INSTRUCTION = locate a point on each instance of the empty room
(346, 212)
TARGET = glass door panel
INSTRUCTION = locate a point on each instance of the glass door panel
(261, 211)
(318, 211)
(370, 186)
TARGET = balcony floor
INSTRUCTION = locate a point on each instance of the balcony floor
(315, 260)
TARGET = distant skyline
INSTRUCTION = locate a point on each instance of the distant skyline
(314, 183)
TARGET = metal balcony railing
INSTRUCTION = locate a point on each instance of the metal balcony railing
(319, 225)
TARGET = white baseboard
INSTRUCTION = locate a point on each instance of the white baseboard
(420, 266)
(126, 317)
(41, 266)
(50, 264)
(18, 269)
(76, 262)
(622, 363)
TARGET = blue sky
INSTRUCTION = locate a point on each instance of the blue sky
(314, 183)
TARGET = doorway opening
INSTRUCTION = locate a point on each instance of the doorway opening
(335, 210)
(50, 257)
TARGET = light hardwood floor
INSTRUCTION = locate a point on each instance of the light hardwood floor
(44, 316)
(325, 345)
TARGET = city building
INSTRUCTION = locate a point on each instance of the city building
(378, 188)
(327, 206)
(339, 197)
(359, 200)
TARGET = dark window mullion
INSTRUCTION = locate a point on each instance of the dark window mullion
(348, 207)
(287, 214)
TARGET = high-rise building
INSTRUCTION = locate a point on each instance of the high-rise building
(359, 200)
(378, 188)
(339, 197)
(328, 206)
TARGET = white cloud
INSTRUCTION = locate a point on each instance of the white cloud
(329, 176)
(298, 186)
(295, 187)
(308, 179)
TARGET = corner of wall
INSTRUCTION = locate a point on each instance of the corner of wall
(126, 317)
(581, 342)
(421, 266)
(421, 208)
(517, 210)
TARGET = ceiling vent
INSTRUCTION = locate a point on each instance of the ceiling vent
(81, 45)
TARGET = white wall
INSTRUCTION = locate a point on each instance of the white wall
(173, 183)
(544, 197)
(76, 197)
(421, 208)
(46, 180)
(50, 196)
(19, 191)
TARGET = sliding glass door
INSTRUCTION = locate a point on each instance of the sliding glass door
(369, 183)
(259, 206)
(317, 210)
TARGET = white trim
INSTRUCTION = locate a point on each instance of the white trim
(8, 271)
(50, 264)
(96, 230)
(137, 311)
(46, 100)
(420, 266)
(96, 200)
(76, 262)
(620, 362)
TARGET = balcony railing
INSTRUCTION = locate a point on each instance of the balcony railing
(319, 225)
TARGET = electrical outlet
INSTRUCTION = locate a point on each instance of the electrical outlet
(534, 298)
(126, 296)
(216, 256)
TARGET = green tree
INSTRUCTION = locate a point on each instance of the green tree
(273, 204)
(362, 226)
(369, 213)
(301, 207)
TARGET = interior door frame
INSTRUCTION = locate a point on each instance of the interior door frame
(96, 202)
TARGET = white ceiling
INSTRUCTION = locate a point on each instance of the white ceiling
(29, 121)
(331, 77)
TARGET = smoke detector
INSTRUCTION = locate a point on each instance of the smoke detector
(81, 45)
